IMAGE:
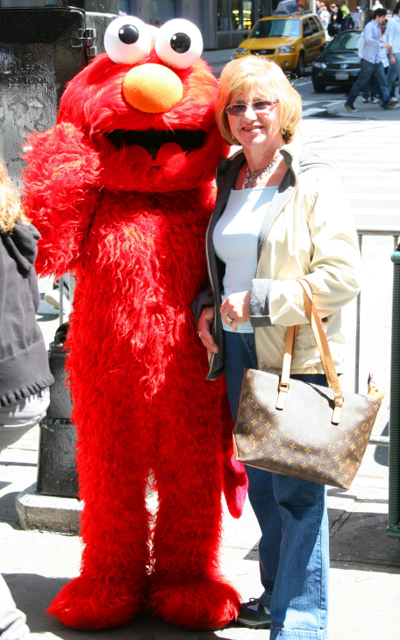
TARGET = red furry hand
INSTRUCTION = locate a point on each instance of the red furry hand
(61, 193)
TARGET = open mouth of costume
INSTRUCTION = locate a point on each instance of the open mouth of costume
(153, 140)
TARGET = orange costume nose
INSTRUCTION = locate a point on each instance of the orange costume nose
(152, 88)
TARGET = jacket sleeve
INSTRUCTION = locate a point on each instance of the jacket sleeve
(334, 262)
(203, 300)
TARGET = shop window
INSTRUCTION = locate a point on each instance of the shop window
(223, 18)
(241, 14)
(247, 15)
(124, 7)
(163, 10)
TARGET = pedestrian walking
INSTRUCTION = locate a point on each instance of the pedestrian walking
(335, 21)
(371, 87)
(281, 214)
(344, 9)
(393, 36)
(325, 17)
(24, 370)
(371, 63)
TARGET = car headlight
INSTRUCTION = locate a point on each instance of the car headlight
(241, 51)
(287, 49)
(319, 65)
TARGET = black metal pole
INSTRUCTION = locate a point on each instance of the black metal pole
(393, 529)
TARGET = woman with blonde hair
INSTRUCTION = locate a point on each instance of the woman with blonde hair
(24, 370)
(281, 214)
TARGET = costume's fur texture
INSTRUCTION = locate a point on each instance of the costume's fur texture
(132, 229)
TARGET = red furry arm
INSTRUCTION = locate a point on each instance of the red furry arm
(60, 194)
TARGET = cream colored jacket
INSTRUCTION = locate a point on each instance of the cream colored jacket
(308, 233)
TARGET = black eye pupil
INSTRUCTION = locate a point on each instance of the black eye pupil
(128, 34)
(180, 42)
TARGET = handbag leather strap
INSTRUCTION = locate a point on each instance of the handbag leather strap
(284, 384)
(325, 353)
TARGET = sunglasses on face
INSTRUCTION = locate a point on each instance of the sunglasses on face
(239, 109)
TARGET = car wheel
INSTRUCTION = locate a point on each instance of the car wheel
(319, 88)
(301, 67)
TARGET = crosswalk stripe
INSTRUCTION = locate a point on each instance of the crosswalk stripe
(366, 155)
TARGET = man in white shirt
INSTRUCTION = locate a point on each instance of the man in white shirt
(371, 63)
(393, 35)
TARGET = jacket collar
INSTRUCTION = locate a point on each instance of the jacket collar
(291, 154)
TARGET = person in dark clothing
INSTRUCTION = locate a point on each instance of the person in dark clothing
(24, 370)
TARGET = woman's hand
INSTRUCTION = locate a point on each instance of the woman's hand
(204, 326)
(236, 309)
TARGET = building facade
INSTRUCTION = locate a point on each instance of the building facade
(223, 23)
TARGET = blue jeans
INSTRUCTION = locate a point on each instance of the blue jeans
(12, 621)
(394, 71)
(17, 418)
(292, 514)
(368, 71)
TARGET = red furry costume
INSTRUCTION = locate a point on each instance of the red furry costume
(130, 222)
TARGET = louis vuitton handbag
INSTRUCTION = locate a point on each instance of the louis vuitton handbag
(299, 429)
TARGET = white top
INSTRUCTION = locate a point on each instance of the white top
(235, 240)
(384, 52)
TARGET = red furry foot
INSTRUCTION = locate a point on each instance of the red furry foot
(94, 604)
(210, 604)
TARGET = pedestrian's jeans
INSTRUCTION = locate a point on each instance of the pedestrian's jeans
(394, 71)
(292, 514)
(12, 621)
(15, 420)
(367, 71)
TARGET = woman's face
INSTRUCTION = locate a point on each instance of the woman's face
(253, 129)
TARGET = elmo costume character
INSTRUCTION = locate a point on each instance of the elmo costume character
(121, 190)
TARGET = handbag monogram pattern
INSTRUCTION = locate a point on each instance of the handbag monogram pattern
(295, 441)
(301, 429)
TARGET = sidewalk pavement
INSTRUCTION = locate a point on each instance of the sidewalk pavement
(365, 564)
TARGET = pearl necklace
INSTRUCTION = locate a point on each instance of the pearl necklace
(250, 179)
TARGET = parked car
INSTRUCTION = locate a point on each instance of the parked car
(339, 64)
(292, 41)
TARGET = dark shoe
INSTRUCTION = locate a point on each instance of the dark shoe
(350, 107)
(391, 106)
(252, 614)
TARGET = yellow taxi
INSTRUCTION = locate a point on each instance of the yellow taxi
(292, 41)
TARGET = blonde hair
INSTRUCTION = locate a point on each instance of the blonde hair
(10, 202)
(254, 72)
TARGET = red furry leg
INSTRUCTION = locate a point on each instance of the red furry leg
(188, 589)
(115, 523)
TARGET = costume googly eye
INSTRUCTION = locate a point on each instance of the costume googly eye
(127, 40)
(179, 43)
